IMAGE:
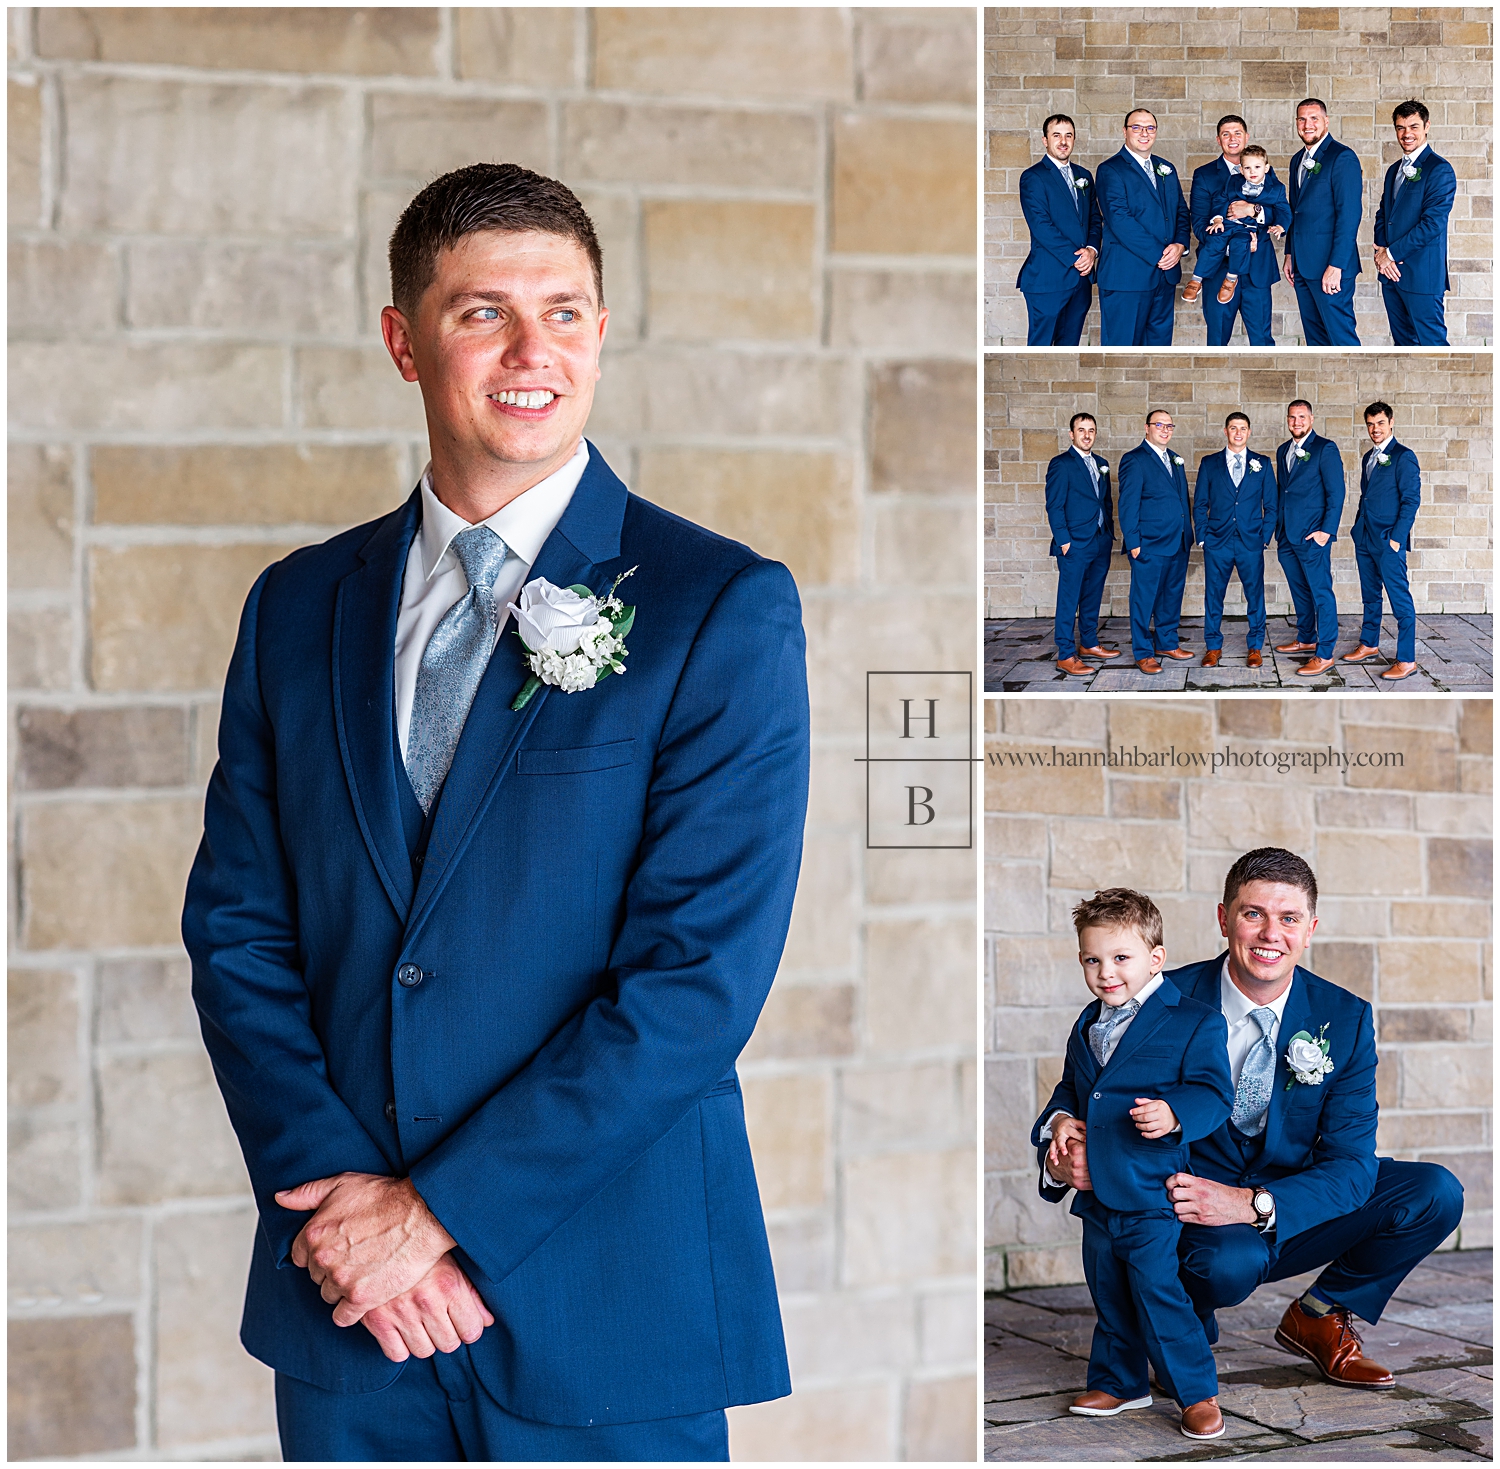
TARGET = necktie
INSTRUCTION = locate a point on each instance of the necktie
(1102, 1031)
(452, 664)
(1400, 176)
(1370, 459)
(1307, 159)
(1236, 469)
(1068, 179)
(1252, 1095)
(1151, 171)
(1094, 475)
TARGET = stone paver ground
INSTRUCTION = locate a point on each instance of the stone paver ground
(1435, 1337)
(1453, 656)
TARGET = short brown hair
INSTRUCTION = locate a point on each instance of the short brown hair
(483, 196)
(1272, 864)
(1120, 908)
(1255, 151)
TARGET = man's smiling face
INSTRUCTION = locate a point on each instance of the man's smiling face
(1269, 926)
(505, 344)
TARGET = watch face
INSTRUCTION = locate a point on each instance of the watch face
(1264, 1204)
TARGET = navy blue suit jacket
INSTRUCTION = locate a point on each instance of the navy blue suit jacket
(1175, 1050)
(1388, 499)
(1223, 511)
(1139, 223)
(1311, 494)
(1208, 183)
(602, 906)
(1413, 225)
(1058, 230)
(1072, 507)
(1154, 512)
(1318, 1151)
(1326, 212)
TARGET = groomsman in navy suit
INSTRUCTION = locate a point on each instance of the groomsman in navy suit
(1252, 304)
(1062, 213)
(1083, 535)
(1234, 517)
(1156, 526)
(1146, 222)
(1310, 499)
(1411, 234)
(1322, 252)
(1390, 489)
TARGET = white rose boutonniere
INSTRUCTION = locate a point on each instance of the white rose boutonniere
(1382, 458)
(1162, 171)
(1315, 166)
(1177, 459)
(572, 637)
(1303, 454)
(1102, 467)
(1307, 1059)
(1080, 183)
(1411, 171)
(1255, 465)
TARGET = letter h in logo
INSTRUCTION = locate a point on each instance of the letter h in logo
(919, 756)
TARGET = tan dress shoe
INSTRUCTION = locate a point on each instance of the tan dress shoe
(1148, 665)
(1096, 1404)
(1074, 665)
(1227, 290)
(1360, 654)
(1296, 647)
(1178, 653)
(1314, 666)
(1399, 671)
(1192, 290)
(1253, 658)
(1099, 652)
(1211, 658)
(1332, 1345)
(1203, 1420)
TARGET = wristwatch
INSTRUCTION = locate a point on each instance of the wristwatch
(1265, 1210)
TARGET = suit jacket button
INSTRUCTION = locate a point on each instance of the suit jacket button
(409, 976)
(390, 1111)
(1098, 1096)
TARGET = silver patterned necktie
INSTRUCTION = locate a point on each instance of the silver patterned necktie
(1252, 1094)
(1237, 470)
(1102, 1031)
(452, 664)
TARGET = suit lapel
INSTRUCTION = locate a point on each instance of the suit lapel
(364, 693)
(1086, 1063)
(1294, 1017)
(1152, 1016)
(587, 536)
(1075, 211)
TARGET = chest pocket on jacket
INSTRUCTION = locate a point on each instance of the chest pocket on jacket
(576, 762)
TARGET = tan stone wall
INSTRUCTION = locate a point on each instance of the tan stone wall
(1403, 861)
(1442, 404)
(1193, 65)
(199, 205)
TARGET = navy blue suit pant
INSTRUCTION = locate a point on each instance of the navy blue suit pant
(1367, 1254)
(1057, 320)
(1327, 321)
(1080, 587)
(1156, 586)
(438, 1411)
(1243, 554)
(1138, 318)
(1385, 569)
(1308, 568)
(1129, 1261)
(1416, 321)
(1252, 304)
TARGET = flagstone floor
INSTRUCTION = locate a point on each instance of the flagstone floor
(1435, 1336)
(1453, 656)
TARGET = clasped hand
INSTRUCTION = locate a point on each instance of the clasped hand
(379, 1255)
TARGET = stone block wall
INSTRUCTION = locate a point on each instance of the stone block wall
(1442, 404)
(199, 205)
(1402, 855)
(1190, 67)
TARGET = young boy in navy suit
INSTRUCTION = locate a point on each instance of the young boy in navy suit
(1232, 241)
(1147, 1073)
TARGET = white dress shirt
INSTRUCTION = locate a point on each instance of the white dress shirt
(435, 580)
(1243, 1031)
(1148, 163)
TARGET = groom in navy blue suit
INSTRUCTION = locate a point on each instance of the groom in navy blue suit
(473, 967)
(1145, 221)
(1291, 1182)
(1411, 234)
(1062, 212)
(1321, 260)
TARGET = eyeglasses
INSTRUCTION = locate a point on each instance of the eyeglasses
(1160, 424)
(1139, 127)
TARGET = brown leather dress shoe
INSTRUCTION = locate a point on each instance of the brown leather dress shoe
(1096, 1404)
(1203, 1420)
(1314, 666)
(1192, 290)
(1332, 1345)
(1253, 658)
(1227, 290)
(1173, 653)
(1074, 665)
(1211, 658)
(1098, 652)
(1360, 654)
(1399, 671)
(1148, 665)
(1296, 647)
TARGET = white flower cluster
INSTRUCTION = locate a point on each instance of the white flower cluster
(598, 647)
